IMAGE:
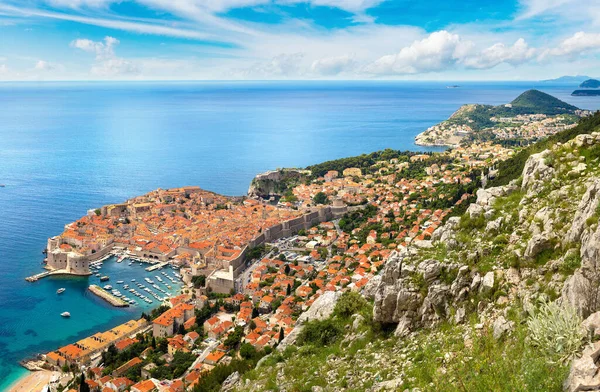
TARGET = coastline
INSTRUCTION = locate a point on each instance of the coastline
(32, 381)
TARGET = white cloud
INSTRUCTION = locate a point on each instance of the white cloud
(499, 53)
(42, 65)
(107, 63)
(575, 45)
(103, 50)
(330, 66)
(3, 69)
(438, 51)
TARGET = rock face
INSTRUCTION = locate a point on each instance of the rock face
(321, 309)
(231, 382)
(410, 296)
(536, 172)
(585, 372)
(581, 290)
(275, 182)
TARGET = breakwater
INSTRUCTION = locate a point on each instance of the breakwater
(108, 297)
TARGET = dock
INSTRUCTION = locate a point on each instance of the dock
(157, 266)
(36, 277)
(108, 297)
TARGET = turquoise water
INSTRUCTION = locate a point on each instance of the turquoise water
(69, 147)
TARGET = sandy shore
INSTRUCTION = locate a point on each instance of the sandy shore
(32, 382)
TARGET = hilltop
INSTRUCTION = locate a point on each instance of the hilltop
(530, 116)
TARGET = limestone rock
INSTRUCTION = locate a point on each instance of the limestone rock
(321, 309)
(584, 375)
(536, 173)
(501, 326)
(231, 382)
(487, 284)
(537, 244)
(585, 209)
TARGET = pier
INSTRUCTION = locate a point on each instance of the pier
(36, 277)
(108, 297)
(157, 266)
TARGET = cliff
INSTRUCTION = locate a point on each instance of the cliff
(276, 182)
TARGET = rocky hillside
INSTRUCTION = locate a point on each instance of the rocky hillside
(496, 300)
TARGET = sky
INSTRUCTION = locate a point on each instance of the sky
(298, 39)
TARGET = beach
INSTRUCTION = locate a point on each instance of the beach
(33, 381)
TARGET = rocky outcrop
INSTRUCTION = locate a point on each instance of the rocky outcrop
(410, 296)
(276, 182)
(321, 309)
(584, 374)
(536, 173)
(231, 382)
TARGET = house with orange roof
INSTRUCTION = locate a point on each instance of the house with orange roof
(144, 386)
(214, 357)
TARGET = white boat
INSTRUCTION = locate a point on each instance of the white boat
(119, 281)
(108, 287)
(65, 314)
(133, 280)
(60, 291)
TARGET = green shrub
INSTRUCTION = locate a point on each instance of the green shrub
(320, 332)
(556, 331)
(350, 303)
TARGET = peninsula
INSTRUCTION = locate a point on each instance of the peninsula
(529, 117)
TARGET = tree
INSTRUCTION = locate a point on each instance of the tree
(254, 312)
(252, 325)
(281, 335)
(153, 342)
(320, 198)
(288, 291)
(181, 330)
(247, 351)
(83, 386)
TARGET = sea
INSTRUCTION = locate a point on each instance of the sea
(66, 148)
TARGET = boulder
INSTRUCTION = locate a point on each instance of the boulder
(584, 374)
(487, 284)
(537, 244)
(501, 326)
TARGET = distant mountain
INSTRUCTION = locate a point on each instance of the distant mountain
(537, 102)
(568, 79)
(590, 83)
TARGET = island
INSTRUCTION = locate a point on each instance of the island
(586, 93)
(590, 83)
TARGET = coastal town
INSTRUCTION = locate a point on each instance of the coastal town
(250, 266)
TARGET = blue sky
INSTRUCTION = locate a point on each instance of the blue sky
(298, 39)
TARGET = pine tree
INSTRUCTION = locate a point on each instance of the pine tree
(83, 386)
(281, 334)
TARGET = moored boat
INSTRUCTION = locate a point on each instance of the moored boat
(60, 291)
(65, 314)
